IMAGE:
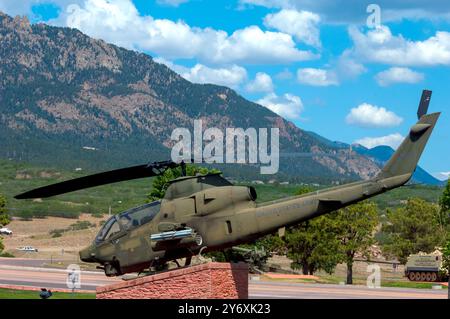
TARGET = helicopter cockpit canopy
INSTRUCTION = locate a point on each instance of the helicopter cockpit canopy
(128, 220)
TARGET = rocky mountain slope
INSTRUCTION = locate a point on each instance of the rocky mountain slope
(69, 100)
(381, 154)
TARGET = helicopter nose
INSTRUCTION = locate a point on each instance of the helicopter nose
(87, 254)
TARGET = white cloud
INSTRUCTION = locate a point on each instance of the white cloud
(284, 75)
(317, 77)
(172, 3)
(231, 76)
(442, 176)
(367, 115)
(354, 11)
(261, 83)
(288, 106)
(392, 140)
(347, 67)
(398, 75)
(380, 45)
(119, 22)
(24, 7)
(303, 25)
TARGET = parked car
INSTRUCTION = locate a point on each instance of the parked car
(28, 248)
(5, 231)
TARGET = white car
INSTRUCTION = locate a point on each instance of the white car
(5, 231)
(27, 248)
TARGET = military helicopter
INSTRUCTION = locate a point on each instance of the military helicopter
(206, 212)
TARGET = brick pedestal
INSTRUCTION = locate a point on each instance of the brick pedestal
(211, 280)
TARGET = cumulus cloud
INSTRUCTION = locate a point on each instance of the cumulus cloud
(392, 140)
(398, 75)
(317, 77)
(303, 25)
(231, 76)
(24, 7)
(355, 10)
(284, 75)
(172, 3)
(288, 106)
(347, 67)
(442, 176)
(380, 45)
(367, 115)
(119, 22)
(261, 83)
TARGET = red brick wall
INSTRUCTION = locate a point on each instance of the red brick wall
(211, 280)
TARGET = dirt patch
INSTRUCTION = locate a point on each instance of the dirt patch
(36, 233)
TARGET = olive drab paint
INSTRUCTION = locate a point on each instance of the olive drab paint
(206, 212)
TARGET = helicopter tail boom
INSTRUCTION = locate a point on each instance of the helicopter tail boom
(405, 159)
(396, 172)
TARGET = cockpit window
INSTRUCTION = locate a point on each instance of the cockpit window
(139, 216)
(104, 230)
(115, 228)
(128, 220)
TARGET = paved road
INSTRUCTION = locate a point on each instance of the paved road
(50, 278)
(56, 278)
(26, 262)
(323, 291)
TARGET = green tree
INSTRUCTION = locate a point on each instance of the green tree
(446, 257)
(303, 190)
(446, 262)
(411, 229)
(161, 182)
(444, 203)
(355, 226)
(4, 217)
(312, 245)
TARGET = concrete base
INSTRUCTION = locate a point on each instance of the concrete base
(206, 281)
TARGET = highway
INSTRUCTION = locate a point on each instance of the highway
(263, 290)
(19, 273)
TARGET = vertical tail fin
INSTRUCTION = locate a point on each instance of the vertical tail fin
(405, 159)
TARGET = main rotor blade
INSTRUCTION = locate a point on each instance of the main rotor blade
(118, 175)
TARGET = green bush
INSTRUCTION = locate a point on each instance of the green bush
(80, 225)
(56, 232)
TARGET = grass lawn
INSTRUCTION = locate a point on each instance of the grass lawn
(30, 294)
(410, 284)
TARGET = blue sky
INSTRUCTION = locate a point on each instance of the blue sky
(316, 63)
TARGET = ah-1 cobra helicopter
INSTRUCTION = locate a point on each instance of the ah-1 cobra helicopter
(207, 212)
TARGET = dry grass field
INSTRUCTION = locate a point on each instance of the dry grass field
(36, 233)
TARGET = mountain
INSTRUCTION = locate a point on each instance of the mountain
(72, 101)
(382, 154)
